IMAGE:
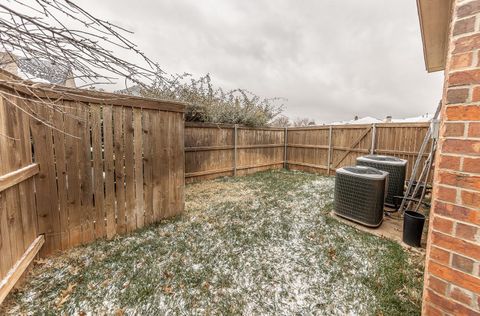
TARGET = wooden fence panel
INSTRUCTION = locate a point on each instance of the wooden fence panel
(106, 158)
(101, 168)
(349, 143)
(308, 148)
(259, 149)
(401, 140)
(18, 225)
(215, 150)
(113, 155)
(209, 151)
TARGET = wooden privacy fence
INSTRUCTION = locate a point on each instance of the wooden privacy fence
(98, 165)
(213, 150)
(326, 148)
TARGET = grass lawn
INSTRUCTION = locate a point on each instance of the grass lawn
(260, 244)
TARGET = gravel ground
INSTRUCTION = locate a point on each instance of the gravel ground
(260, 244)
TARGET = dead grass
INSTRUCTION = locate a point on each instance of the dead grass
(260, 244)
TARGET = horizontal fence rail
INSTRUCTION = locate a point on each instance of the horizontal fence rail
(215, 150)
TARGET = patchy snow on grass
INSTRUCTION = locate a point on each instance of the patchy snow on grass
(260, 244)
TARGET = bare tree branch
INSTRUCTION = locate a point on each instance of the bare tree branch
(65, 35)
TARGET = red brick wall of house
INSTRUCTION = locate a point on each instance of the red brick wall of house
(452, 275)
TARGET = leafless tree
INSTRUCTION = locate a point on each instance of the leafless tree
(303, 121)
(281, 121)
(63, 34)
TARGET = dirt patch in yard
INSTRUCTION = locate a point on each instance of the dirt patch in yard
(260, 244)
(206, 195)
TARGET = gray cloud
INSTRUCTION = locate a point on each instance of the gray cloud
(331, 59)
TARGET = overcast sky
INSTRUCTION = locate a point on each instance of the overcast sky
(331, 59)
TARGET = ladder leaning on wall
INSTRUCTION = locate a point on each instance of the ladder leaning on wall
(411, 200)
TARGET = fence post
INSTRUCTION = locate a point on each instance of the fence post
(235, 150)
(374, 135)
(285, 138)
(329, 158)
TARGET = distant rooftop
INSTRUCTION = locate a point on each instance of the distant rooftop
(133, 90)
(37, 70)
(371, 120)
(363, 120)
(422, 118)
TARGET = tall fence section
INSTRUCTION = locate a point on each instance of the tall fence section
(224, 150)
(106, 170)
(76, 166)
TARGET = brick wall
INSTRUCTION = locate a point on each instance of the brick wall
(452, 278)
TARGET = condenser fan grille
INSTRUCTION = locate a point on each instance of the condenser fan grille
(359, 194)
(396, 169)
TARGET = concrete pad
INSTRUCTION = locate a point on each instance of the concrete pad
(391, 228)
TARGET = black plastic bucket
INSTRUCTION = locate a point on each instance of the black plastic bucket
(412, 228)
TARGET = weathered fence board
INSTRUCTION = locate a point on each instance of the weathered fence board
(98, 173)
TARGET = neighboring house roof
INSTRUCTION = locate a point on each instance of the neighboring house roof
(38, 70)
(371, 120)
(417, 119)
(363, 120)
(133, 90)
(434, 16)
(42, 69)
